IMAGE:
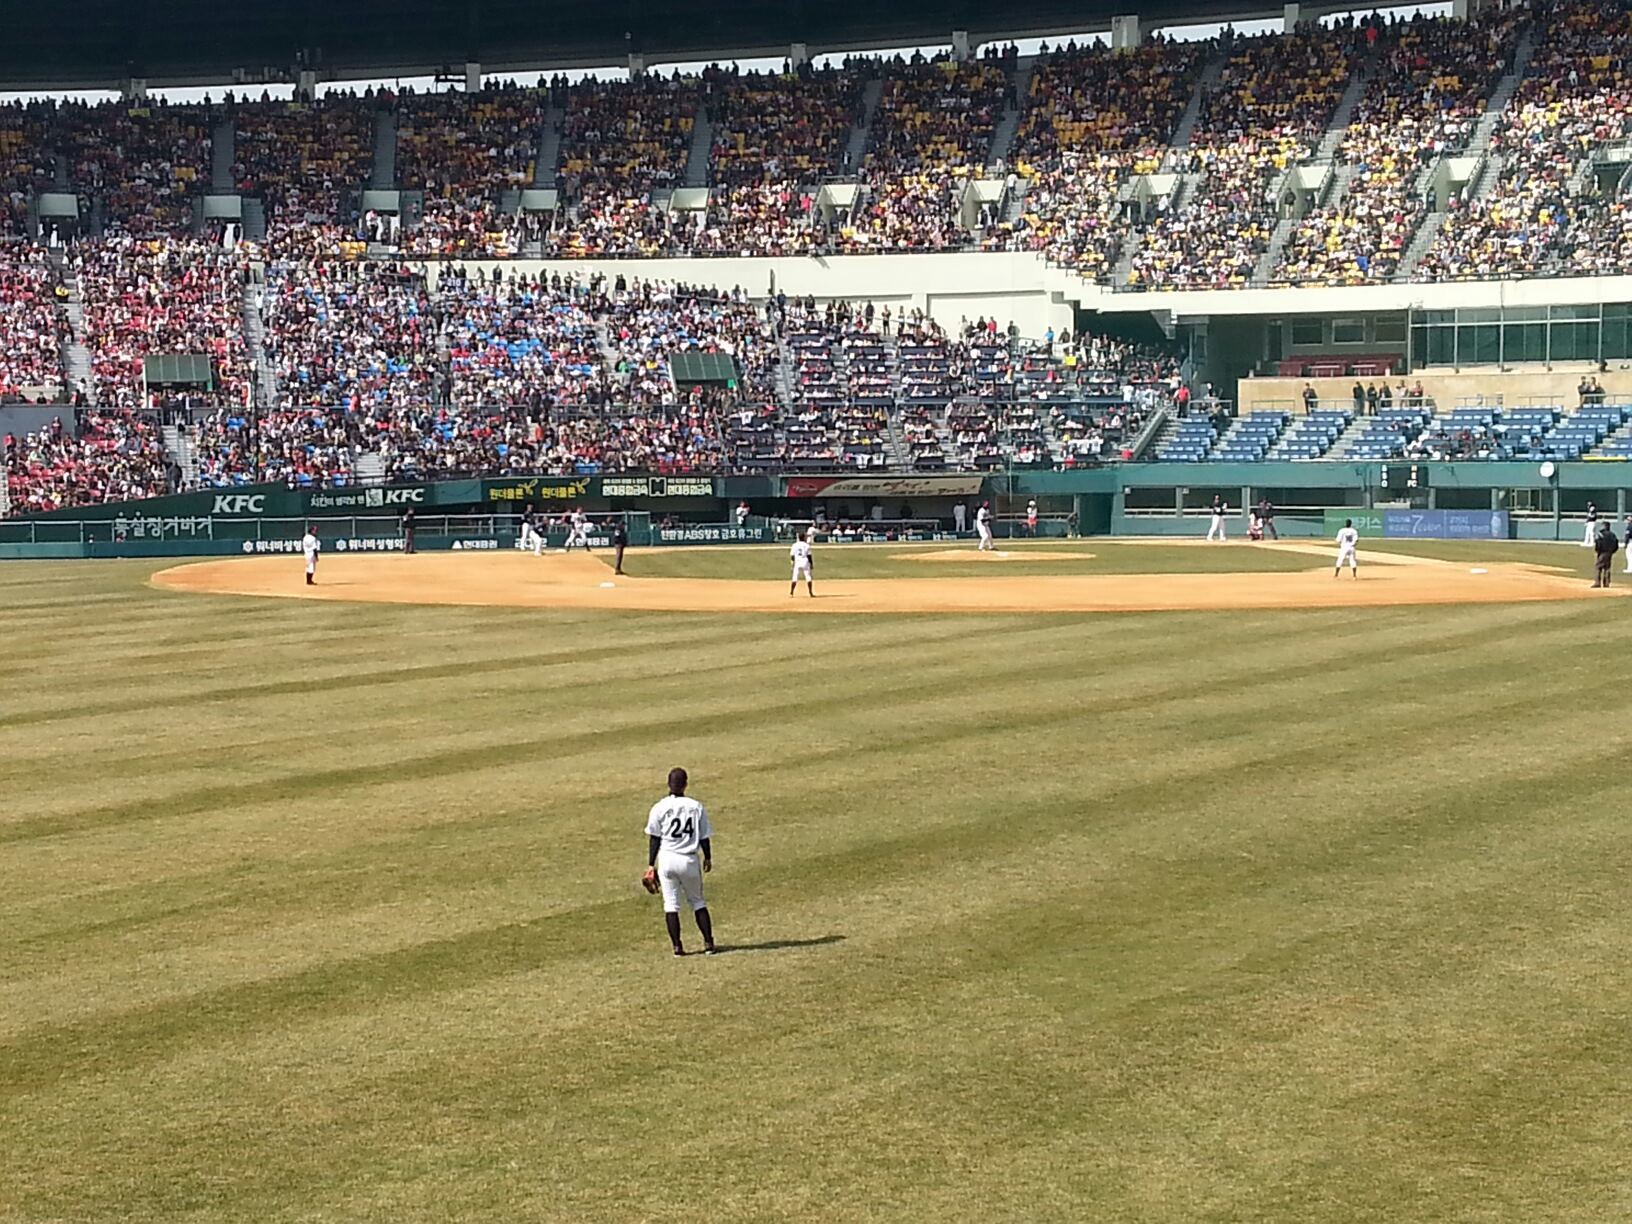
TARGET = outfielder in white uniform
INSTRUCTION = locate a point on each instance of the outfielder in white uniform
(1347, 540)
(1215, 529)
(1590, 539)
(311, 546)
(983, 526)
(677, 832)
(800, 555)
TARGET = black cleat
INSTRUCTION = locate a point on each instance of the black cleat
(678, 950)
(711, 950)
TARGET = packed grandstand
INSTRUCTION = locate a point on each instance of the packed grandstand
(348, 343)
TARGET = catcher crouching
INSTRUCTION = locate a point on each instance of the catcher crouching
(678, 853)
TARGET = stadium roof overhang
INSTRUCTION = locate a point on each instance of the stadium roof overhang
(101, 43)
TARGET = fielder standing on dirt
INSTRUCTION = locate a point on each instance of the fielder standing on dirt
(310, 545)
(677, 833)
(1348, 539)
(803, 566)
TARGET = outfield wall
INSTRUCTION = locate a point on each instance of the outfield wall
(1160, 499)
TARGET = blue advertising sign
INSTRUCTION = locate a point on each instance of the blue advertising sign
(1445, 524)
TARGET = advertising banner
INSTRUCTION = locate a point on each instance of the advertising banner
(1446, 524)
(349, 501)
(518, 491)
(952, 485)
(712, 533)
(1366, 522)
(657, 486)
(1423, 524)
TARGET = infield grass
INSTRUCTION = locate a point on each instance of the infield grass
(316, 911)
(960, 560)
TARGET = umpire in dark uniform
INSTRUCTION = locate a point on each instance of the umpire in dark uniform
(1605, 546)
(620, 541)
(408, 530)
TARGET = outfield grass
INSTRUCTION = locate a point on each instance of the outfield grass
(317, 911)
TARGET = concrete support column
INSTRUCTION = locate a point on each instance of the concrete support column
(1462, 10)
(1289, 18)
(473, 76)
(1125, 32)
(637, 64)
(306, 85)
(960, 45)
(798, 55)
(135, 90)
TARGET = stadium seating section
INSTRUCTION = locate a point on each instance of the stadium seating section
(1165, 166)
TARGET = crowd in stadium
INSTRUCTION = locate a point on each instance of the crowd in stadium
(516, 374)
(1423, 97)
(31, 358)
(1576, 97)
(103, 457)
(176, 296)
(437, 371)
(1092, 121)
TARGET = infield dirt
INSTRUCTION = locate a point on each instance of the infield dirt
(584, 582)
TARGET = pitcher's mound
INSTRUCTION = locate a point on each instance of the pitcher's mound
(971, 554)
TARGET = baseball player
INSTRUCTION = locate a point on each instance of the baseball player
(1347, 539)
(1590, 539)
(530, 537)
(310, 545)
(1215, 529)
(578, 532)
(800, 555)
(1031, 517)
(983, 526)
(1626, 538)
(676, 831)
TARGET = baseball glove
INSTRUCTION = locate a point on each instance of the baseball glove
(648, 879)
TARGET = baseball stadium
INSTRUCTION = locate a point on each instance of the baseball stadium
(1177, 783)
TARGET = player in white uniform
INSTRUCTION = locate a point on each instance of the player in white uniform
(677, 832)
(983, 526)
(579, 533)
(1215, 529)
(800, 555)
(1031, 517)
(311, 546)
(1347, 539)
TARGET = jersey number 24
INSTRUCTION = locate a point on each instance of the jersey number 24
(676, 828)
